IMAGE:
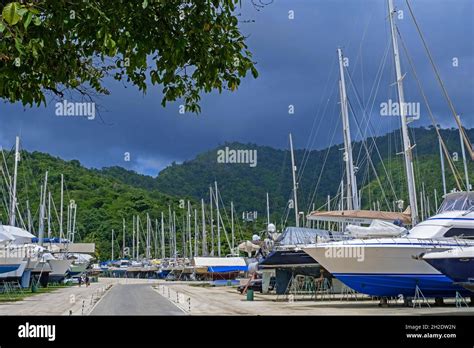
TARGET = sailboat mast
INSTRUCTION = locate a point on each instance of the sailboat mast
(138, 236)
(156, 239)
(407, 149)
(162, 237)
(73, 208)
(133, 237)
(123, 238)
(463, 151)
(212, 220)
(49, 214)
(295, 195)
(42, 211)
(29, 215)
(218, 222)
(148, 230)
(174, 234)
(112, 255)
(170, 221)
(443, 174)
(204, 234)
(352, 194)
(61, 209)
(189, 229)
(268, 210)
(232, 226)
(15, 174)
(196, 233)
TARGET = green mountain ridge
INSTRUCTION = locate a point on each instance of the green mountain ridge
(247, 186)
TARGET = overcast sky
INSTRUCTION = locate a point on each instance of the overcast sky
(297, 62)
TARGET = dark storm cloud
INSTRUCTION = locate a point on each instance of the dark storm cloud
(297, 62)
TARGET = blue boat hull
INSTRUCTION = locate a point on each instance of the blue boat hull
(459, 270)
(8, 268)
(393, 285)
(287, 258)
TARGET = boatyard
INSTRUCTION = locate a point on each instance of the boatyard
(357, 206)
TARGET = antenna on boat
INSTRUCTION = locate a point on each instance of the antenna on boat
(407, 148)
(351, 187)
(295, 194)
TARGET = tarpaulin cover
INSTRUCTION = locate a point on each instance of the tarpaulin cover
(224, 269)
(377, 228)
(302, 235)
(15, 234)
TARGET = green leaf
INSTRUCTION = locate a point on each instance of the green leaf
(22, 11)
(28, 20)
(37, 21)
(19, 45)
(2, 27)
(145, 4)
(10, 13)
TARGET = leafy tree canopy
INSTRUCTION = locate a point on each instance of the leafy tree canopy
(187, 47)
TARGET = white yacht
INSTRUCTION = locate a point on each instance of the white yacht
(389, 267)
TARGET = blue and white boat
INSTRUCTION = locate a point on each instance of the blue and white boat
(389, 267)
(457, 264)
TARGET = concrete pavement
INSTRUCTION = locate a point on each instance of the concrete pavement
(135, 299)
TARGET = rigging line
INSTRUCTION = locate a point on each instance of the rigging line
(371, 137)
(430, 113)
(372, 164)
(336, 125)
(312, 135)
(313, 196)
(440, 81)
(218, 195)
(320, 122)
(359, 53)
(366, 116)
(374, 92)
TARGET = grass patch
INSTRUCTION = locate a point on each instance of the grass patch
(24, 293)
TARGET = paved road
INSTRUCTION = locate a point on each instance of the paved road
(135, 299)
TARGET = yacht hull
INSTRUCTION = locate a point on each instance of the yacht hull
(288, 258)
(386, 268)
(457, 264)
